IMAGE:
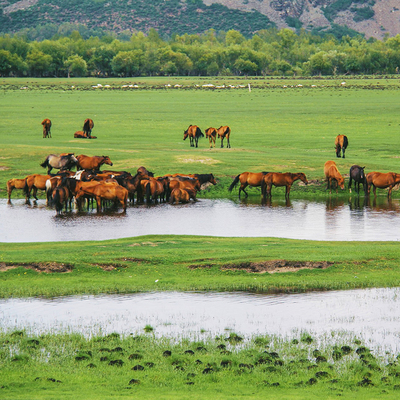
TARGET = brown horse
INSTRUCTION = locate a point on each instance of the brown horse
(61, 198)
(46, 128)
(83, 135)
(153, 188)
(341, 143)
(194, 133)
(12, 184)
(280, 179)
(93, 163)
(224, 132)
(382, 181)
(211, 134)
(34, 182)
(247, 179)
(332, 174)
(88, 126)
(179, 196)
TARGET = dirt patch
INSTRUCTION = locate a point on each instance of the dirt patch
(109, 267)
(271, 266)
(48, 268)
(135, 260)
(4, 168)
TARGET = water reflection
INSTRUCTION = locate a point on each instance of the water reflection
(334, 218)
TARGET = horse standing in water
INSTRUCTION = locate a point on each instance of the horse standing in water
(194, 133)
(341, 143)
(87, 127)
(12, 184)
(211, 134)
(224, 132)
(46, 128)
(357, 175)
(247, 179)
(332, 174)
(280, 179)
(382, 181)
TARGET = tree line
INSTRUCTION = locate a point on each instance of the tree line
(268, 52)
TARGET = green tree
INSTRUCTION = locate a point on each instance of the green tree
(76, 66)
(127, 63)
(39, 64)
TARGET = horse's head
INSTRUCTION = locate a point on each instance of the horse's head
(340, 181)
(107, 160)
(212, 179)
(185, 134)
(72, 158)
(303, 178)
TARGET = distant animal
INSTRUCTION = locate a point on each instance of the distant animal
(12, 184)
(92, 163)
(88, 126)
(62, 161)
(341, 143)
(382, 181)
(194, 133)
(46, 128)
(211, 134)
(247, 179)
(224, 132)
(83, 135)
(332, 175)
(280, 179)
(357, 175)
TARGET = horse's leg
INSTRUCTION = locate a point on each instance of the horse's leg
(343, 150)
(222, 142)
(228, 144)
(390, 190)
(287, 190)
(374, 190)
(34, 193)
(196, 139)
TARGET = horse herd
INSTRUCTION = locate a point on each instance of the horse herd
(85, 133)
(193, 132)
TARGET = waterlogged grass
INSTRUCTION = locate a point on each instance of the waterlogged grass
(188, 263)
(112, 366)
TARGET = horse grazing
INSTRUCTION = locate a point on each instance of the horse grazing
(211, 134)
(12, 184)
(247, 179)
(357, 175)
(382, 181)
(341, 143)
(92, 163)
(63, 162)
(194, 134)
(88, 126)
(180, 196)
(332, 174)
(280, 179)
(224, 132)
(83, 135)
(46, 128)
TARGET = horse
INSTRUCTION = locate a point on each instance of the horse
(332, 174)
(357, 175)
(224, 132)
(63, 162)
(35, 182)
(61, 197)
(194, 133)
(341, 143)
(12, 184)
(211, 134)
(87, 127)
(382, 181)
(280, 179)
(93, 163)
(46, 128)
(179, 196)
(247, 179)
(83, 135)
(192, 185)
(153, 188)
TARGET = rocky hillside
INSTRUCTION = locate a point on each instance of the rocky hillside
(374, 18)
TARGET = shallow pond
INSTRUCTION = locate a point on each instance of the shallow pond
(332, 219)
(372, 315)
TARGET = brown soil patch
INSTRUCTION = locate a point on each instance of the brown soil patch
(271, 266)
(49, 267)
(109, 267)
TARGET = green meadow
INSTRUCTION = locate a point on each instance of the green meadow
(285, 125)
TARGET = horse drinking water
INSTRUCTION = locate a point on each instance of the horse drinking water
(332, 175)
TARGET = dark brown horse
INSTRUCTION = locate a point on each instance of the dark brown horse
(357, 175)
(83, 135)
(382, 181)
(194, 133)
(341, 143)
(247, 179)
(93, 163)
(280, 179)
(46, 128)
(332, 175)
(87, 127)
(61, 198)
(12, 184)
(211, 134)
(224, 132)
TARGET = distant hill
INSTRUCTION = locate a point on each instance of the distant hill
(373, 18)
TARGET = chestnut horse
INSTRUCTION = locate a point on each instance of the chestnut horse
(341, 143)
(46, 128)
(83, 135)
(93, 163)
(87, 127)
(179, 196)
(332, 174)
(34, 182)
(382, 181)
(211, 134)
(280, 179)
(194, 134)
(12, 184)
(247, 179)
(224, 132)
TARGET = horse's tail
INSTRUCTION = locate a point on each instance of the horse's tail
(45, 163)
(57, 200)
(345, 142)
(26, 188)
(200, 133)
(233, 184)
